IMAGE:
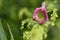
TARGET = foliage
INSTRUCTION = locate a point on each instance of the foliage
(16, 21)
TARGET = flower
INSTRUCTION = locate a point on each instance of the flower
(40, 14)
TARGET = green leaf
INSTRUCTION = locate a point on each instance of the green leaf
(2, 32)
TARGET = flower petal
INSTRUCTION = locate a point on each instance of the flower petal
(43, 10)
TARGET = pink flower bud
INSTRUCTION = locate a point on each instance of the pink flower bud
(40, 14)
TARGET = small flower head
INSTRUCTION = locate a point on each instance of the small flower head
(40, 14)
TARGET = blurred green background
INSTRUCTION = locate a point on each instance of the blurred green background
(13, 12)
